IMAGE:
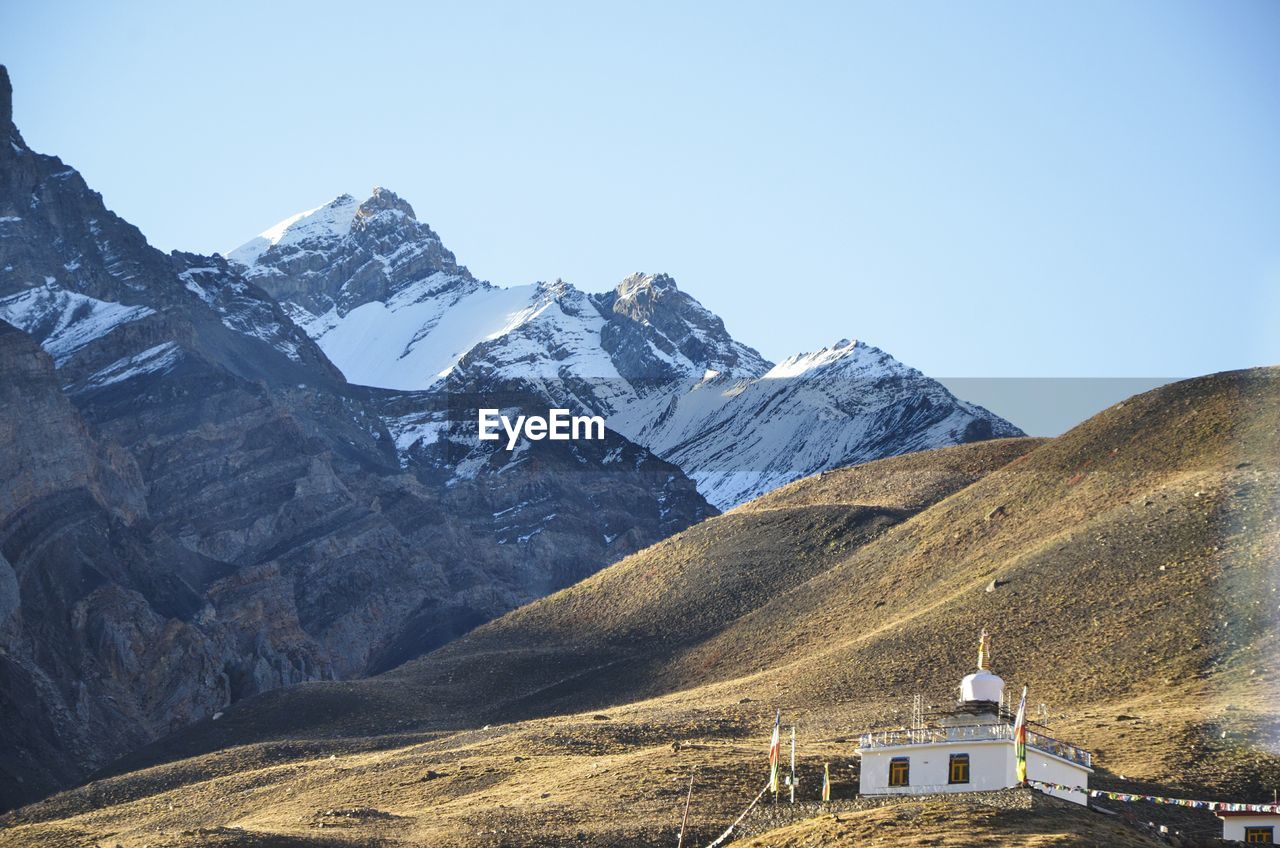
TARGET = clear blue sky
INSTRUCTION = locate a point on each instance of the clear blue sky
(982, 189)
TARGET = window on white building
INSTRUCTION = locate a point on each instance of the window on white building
(900, 771)
(959, 769)
(1259, 835)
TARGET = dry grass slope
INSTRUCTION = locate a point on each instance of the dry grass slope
(1126, 569)
(950, 825)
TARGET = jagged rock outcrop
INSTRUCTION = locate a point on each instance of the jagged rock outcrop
(98, 647)
(297, 263)
(651, 322)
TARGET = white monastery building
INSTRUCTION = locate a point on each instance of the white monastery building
(971, 748)
(1251, 828)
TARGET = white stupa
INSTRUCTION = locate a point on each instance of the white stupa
(971, 748)
(982, 685)
(981, 692)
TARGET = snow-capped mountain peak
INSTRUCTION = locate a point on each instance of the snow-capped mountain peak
(847, 354)
(323, 223)
(390, 306)
(383, 200)
(346, 254)
(640, 286)
(321, 226)
(663, 332)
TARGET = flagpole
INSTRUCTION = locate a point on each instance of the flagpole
(793, 764)
(684, 821)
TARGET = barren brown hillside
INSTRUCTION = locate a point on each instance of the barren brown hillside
(1127, 571)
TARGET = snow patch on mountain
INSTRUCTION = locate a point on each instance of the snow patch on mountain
(63, 320)
(158, 359)
(414, 339)
(332, 219)
(418, 429)
(798, 364)
(240, 308)
(552, 344)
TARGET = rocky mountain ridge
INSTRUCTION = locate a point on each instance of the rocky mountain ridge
(195, 506)
(391, 307)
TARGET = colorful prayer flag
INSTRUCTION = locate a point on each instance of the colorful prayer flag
(826, 782)
(773, 753)
(1217, 806)
(1020, 738)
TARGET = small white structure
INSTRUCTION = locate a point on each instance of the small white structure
(1252, 828)
(970, 749)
